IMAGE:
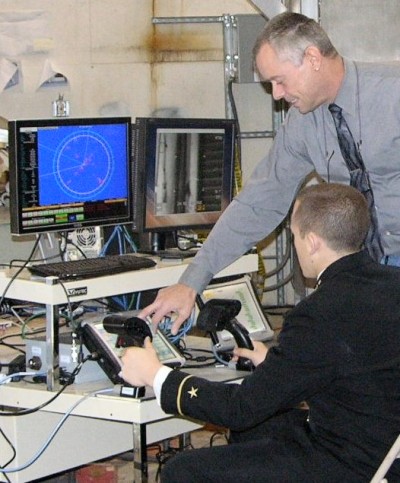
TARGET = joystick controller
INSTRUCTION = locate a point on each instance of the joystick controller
(131, 331)
(220, 314)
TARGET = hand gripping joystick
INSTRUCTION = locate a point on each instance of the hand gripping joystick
(219, 314)
(132, 332)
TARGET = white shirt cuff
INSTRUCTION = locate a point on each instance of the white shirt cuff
(159, 379)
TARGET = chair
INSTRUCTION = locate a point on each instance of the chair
(387, 462)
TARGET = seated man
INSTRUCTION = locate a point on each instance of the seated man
(338, 351)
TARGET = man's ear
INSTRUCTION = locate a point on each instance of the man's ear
(314, 57)
(313, 242)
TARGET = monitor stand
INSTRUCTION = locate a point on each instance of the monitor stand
(49, 247)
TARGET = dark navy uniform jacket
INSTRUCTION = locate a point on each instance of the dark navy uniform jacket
(338, 351)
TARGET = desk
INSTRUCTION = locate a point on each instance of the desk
(101, 426)
(51, 293)
(105, 424)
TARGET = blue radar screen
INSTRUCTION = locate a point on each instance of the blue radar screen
(81, 164)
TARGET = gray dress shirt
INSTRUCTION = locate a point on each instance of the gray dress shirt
(307, 143)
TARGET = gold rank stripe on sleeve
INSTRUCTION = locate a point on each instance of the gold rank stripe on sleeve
(179, 395)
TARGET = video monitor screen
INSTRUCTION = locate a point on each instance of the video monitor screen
(186, 171)
(69, 173)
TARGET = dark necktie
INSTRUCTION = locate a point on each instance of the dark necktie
(359, 178)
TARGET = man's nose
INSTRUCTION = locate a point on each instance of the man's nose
(278, 92)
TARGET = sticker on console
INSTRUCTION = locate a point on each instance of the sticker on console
(75, 292)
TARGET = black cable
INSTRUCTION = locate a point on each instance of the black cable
(67, 242)
(218, 433)
(9, 336)
(187, 353)
(13, 346)
(12, 262)
(193, 241)
(165, 455)
(199, 361)
(12, 457)
(69, 381)
(29, 259)
(69, 305)
(19, 271)
(199, 366)
(28, 336)
(63, 244)
(5, 307)
(162, 458)
(236, 119)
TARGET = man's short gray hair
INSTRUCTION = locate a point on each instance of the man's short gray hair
(289, 34)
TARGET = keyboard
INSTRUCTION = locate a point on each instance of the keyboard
(92, 267)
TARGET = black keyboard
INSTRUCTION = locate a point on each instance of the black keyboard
(92, 267)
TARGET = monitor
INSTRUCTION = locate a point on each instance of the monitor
(183, 172)
(69, 173)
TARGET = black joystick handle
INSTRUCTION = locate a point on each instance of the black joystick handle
(242, 339)
(219, 314)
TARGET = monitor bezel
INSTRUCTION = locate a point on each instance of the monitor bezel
(145, 148)
(16, 208)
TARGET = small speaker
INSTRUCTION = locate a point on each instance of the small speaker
(84, 242)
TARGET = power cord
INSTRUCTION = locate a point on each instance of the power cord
(17, 377)
(19, 270)
(13, 456)
(53, 434)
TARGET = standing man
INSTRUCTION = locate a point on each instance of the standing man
(338, 351)
(297, 57)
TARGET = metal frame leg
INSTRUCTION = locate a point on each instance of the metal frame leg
(185, 440)
(140, 468)
(52, 347)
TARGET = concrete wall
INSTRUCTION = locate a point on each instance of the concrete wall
(115, 60)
